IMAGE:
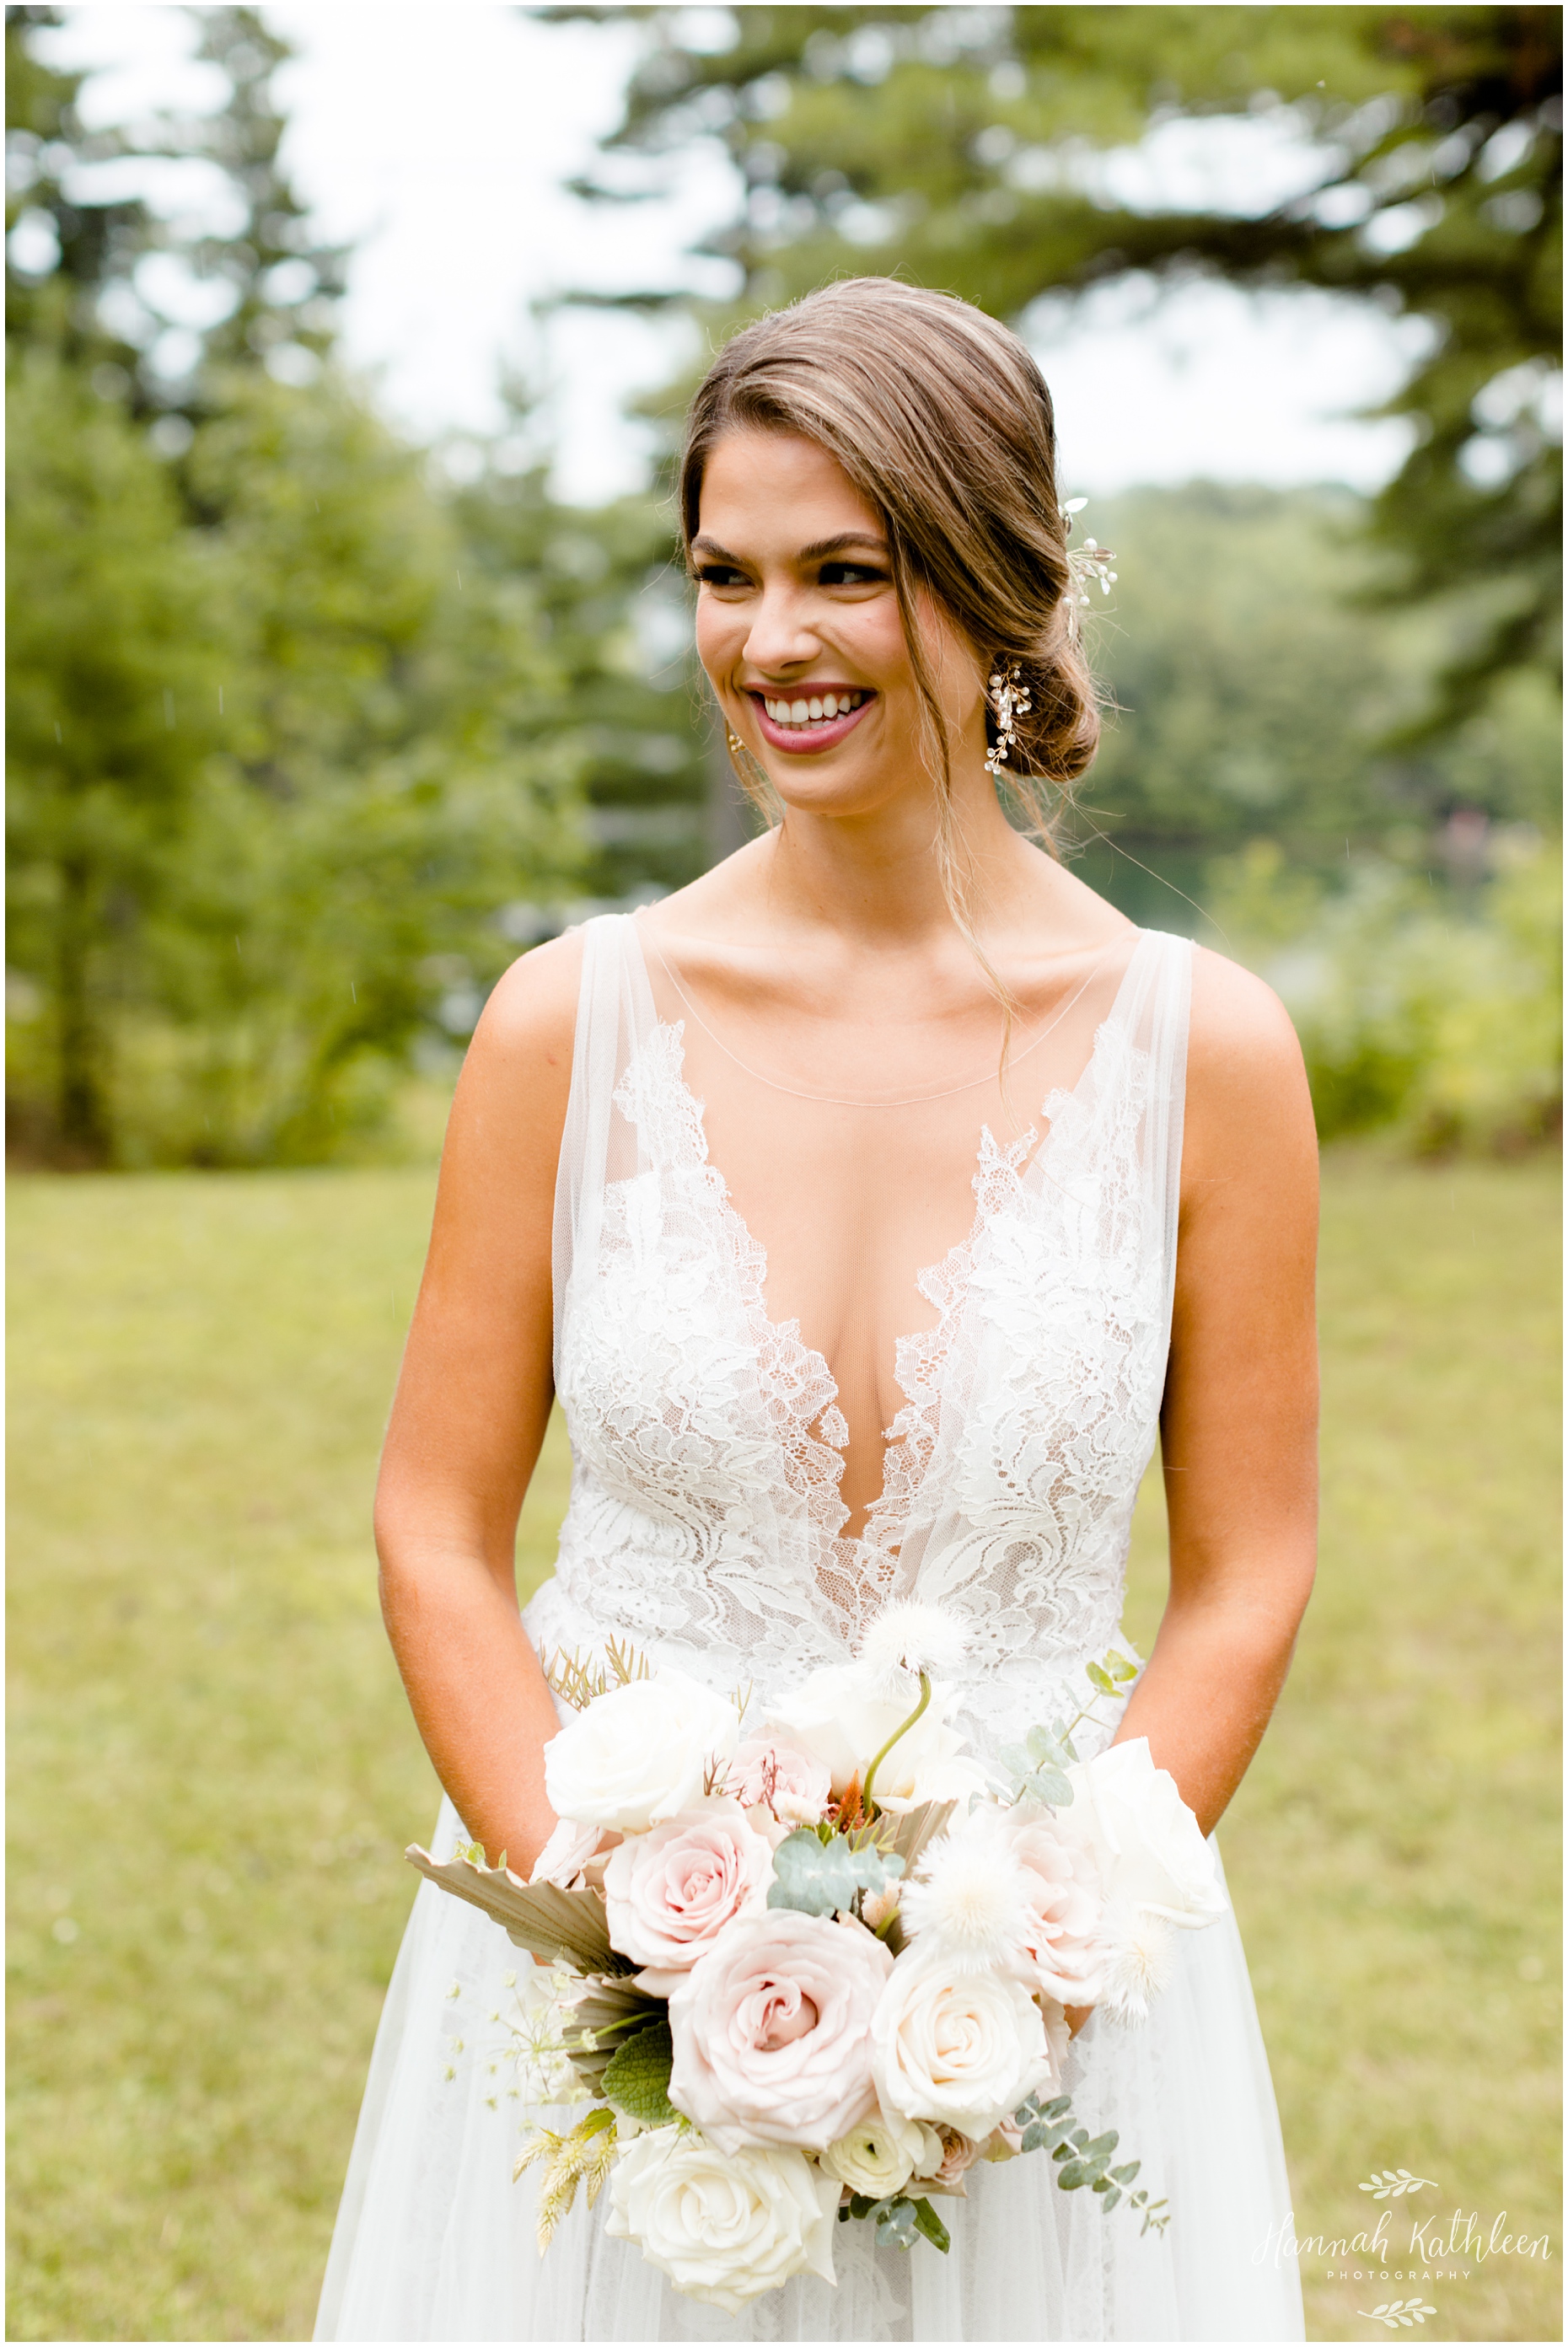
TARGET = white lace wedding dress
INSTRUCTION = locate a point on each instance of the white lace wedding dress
(705, 1527)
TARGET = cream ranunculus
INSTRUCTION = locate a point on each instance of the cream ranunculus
(723, 2226)
(843, 1716)
(639, 1754)
(1149, 1848)
(880, 2155)
(959, 2049)
(669, 1893)
(772, 2031)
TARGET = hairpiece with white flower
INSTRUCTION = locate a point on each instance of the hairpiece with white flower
(1090, 560)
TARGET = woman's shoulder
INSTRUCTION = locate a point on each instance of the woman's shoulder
(1247, 1082)
(533, 1003)
(1239, 1022)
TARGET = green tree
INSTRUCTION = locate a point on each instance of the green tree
(606, 593)
(283, 751)
(967, 148)
(382, 793)
(98, 276)
(110, 703)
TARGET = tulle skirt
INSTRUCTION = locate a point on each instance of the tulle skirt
(434, 2240)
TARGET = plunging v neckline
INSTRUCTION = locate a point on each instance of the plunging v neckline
(909, 1443)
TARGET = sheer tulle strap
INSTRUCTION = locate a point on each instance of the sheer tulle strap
(614, 1012)
(1162, 1027)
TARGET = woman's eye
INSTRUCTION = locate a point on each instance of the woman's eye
(720, 574)
(851, 574)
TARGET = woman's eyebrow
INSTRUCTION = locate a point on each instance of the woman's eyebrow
(709, 549)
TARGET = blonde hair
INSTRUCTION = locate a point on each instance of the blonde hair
(942, 420)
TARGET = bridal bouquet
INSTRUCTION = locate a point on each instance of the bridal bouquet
(812, 1970)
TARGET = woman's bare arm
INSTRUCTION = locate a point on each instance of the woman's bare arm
(1238, 1429)
(473, 1401)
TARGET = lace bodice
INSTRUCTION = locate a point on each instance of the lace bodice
(706, 1522)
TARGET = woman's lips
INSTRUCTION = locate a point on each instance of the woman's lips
(804, 741)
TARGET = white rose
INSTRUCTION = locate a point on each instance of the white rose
(879, 2157)
(640, 1753)
(723, 2226)
(957, 2049)
(842, 1718)
(1151, 1848)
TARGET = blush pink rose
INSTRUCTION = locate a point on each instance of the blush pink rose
(668, 1894)
(1062, 1885)
(773, 2032)
(796, 1787)
(960, 2153)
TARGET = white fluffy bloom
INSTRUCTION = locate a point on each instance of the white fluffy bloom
(970, 1902)
(1136, 1949)
(909, 1637)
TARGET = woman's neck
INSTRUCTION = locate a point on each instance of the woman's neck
(878, 874)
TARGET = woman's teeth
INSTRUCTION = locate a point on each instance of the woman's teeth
(817, 711)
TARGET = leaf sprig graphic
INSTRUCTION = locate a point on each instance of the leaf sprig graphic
(1398, 2313)
(1390, 2183)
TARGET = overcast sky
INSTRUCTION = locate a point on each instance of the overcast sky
(438, 139)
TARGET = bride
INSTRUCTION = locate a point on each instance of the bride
(869, 1206)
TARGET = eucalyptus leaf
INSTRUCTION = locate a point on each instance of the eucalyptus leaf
(1073, 2174)
(818, 1877)
(1099, 1680)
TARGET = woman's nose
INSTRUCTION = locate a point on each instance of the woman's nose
(781, 635)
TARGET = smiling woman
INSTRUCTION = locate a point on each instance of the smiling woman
(915, 1339)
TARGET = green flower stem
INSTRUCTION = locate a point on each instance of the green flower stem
(901, 1730)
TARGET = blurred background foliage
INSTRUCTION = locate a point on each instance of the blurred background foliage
(312, 729)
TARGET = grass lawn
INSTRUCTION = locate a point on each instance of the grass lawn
(204, 1721)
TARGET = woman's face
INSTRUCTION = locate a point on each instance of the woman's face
(799, 631)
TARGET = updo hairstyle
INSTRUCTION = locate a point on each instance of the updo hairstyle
(942, 420)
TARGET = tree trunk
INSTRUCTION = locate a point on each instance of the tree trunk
(83, 1109)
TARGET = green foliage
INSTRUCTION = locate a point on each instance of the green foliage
(962, 147)
(826, 1877)
(637, 2076)
(900, 2221)
(1440, 1019)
